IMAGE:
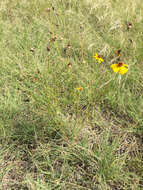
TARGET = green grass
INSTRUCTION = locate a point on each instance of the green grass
(52, 136)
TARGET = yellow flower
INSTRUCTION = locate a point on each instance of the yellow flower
(98, 58)
(79, 88)
(120, 68)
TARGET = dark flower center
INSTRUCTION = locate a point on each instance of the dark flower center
(120, 64)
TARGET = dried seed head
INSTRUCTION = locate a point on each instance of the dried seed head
(69, 64)
(47, 10)
(129, 25)
(48, 49)
(32, 50)
(119, 52)
(53, 39)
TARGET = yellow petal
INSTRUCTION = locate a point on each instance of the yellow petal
(95, 56)
(123, 70)
(100, 60)
(115, 68)
(125, 65)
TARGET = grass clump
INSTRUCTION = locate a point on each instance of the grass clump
(67, 120)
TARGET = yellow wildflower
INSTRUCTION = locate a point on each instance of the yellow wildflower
(98, 58)
(79, 88)
(120, 68)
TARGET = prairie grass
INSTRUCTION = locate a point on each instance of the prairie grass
(67, 121)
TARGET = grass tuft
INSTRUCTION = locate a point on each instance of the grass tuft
(68, 121)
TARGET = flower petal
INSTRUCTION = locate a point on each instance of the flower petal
(123, 70)
(125, 65)
(95, 56)
(100, 60)
(115, 68)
